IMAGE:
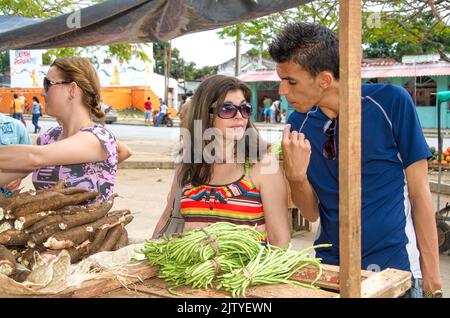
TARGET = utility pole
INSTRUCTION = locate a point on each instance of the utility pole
(237, 68)
(166, 81)
(169, 66)
(184, 77)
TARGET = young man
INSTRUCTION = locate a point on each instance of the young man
(162, 111)
(267, 102)
(398, 225)
(16, 108)
(148, 111)
(12, 131)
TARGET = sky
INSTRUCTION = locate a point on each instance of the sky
(205, 48)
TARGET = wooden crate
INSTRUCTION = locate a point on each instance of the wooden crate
(298, 222)
(142, 282)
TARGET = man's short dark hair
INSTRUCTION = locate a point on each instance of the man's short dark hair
(15, 96)
(314, 47)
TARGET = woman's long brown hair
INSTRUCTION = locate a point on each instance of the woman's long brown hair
(211, 91)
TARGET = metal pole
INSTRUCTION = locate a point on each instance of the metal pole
(415, 83)
(438, 107)
(237, 65)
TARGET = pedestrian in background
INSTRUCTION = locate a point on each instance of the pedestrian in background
(148, 111)
(37, 112)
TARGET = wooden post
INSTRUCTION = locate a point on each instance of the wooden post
(350, 148)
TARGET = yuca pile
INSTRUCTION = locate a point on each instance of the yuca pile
(227, 256)
(35, 226)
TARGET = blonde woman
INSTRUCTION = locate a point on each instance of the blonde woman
(80, 151)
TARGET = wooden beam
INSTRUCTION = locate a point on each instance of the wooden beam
(350, 148)
(329, 279)
(390, 283)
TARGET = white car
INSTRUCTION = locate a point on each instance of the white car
(110, 113)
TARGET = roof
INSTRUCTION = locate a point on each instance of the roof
(406, 70)
(372, 69)
(260, 76)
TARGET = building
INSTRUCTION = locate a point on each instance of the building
(248, 64)
(421, 75)
(124, 84)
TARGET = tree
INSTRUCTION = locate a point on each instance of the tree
(52, 8)
(408, 26)
(204, 72)
(4, 61)
(38, 9)
(390, 28)
(259, 32)
(180, 68)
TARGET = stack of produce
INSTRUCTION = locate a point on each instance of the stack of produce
(35, 226)
(227, 256)
(444, 159)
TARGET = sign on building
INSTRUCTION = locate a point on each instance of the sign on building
(26, 68)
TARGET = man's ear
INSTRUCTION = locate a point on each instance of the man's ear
(326, 79)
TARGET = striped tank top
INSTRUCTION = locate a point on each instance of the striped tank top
(238, 203)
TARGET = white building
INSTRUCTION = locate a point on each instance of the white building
(248, 64)
(27, 71)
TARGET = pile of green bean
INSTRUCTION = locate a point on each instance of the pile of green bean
(221, 238)
(200, 275)
(272, 265)
(224, 255)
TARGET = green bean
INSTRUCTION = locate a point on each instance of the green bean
(228, 257)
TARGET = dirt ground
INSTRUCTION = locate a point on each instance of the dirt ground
(144, 192)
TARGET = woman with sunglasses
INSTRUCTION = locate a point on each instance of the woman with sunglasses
(79, 151)
(223, 188)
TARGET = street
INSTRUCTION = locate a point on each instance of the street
(150, 133)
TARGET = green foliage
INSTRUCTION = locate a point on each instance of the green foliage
(390, 28)
(180, 69)
(52, 8)
(406, 27)
(37, 9)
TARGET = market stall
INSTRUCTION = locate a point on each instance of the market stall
(126, 278)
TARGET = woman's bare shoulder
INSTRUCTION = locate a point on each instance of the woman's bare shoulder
(265, 170)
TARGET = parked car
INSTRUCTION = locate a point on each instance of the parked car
(110, 113)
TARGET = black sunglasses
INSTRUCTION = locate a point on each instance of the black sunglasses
(228, 110)
(329, 147)
(48, 83)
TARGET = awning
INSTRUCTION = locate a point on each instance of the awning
(407, 70)
(260, 76)
(133, 21)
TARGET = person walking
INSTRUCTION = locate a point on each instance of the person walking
(37, 112)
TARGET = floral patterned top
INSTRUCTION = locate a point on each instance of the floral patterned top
(93, 176)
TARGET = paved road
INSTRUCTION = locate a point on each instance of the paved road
(145, 133)
(137, 132)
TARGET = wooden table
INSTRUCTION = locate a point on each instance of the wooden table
(143, 282)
